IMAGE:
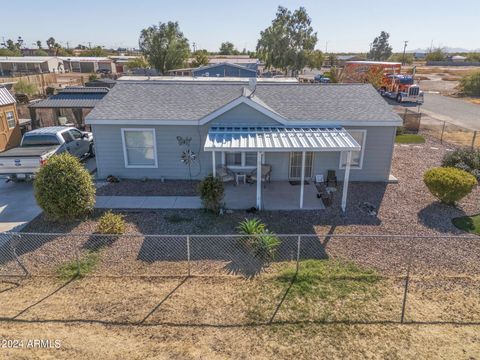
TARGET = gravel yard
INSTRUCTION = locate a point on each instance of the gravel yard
(405, 208)
(149, 188)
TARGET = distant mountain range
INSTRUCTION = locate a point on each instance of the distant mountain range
(446, 49)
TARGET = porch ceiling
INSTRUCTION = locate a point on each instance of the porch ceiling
(280, 139)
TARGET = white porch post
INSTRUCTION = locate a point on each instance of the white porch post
(259, 180)
(302, 180)
(345, 180)
(214, 170)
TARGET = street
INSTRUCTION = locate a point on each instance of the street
(456, 111)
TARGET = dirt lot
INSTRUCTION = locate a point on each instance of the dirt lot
(208, 318)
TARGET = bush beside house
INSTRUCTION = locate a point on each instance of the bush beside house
(212, 191)
(449, 184)
(64, 188)
(464, 159)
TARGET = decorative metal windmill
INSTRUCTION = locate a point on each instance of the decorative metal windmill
(188, 156)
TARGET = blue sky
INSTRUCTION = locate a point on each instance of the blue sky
(348, 25)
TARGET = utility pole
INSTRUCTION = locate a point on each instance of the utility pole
(194, 45)
(404, 48)
(326, 46)
(89, 44)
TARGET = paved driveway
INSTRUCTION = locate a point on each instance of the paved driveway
(17, 205)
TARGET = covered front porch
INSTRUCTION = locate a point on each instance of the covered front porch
(277, 195)
(261, 140)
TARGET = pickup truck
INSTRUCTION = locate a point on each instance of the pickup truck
(22, 162)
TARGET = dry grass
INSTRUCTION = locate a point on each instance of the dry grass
(219, 318)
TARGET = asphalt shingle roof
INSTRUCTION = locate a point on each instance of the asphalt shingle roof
(151, 100)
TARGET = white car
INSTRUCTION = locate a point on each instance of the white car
(22, 162)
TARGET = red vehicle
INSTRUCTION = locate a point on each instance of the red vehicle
(394, 85)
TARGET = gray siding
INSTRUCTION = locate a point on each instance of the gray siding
(110, 158)
(244, 115)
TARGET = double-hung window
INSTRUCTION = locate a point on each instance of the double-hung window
(357, 156)
(240, 159)
(10, 119)
(139, 148)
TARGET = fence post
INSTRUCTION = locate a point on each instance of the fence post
(299, 239)
(443, 130)
(13, 246)
(77, 258)
(474, 138)
(407, 281)
(188, 253)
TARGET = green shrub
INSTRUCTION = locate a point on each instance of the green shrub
(211, 192)
(258, 239)
(92, 77)
(465, 159)
(470, 84)
(111, 223)
(449, 184)
(24, 87)
(64, 189)
(251, 227)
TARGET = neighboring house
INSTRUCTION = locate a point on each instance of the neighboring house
(224, 70)
(88, 64)
(420, 55)
(458, 58)
(10, 134)
(68, 107)
(242, 60)
(142, 128)
(14, 65)
(180, 72)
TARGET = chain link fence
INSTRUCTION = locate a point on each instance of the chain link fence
(238, 279)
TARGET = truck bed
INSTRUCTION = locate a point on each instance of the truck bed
(28, 151)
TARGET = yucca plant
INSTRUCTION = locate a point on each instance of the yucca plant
(265, 246)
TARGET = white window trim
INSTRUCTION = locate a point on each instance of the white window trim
(243, 166)
(13, 117)
(362, 151)
(125, 157)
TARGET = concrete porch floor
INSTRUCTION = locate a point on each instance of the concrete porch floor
(277, 195)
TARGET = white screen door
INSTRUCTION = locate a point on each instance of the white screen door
(295, 168)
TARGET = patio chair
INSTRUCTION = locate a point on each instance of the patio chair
(225, 174)
(265, 176)
(331, 178)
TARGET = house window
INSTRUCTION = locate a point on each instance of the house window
(139, 148)
(357, 156)
(10, 119)
(240, 159)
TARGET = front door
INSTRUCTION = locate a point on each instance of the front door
(295, 168)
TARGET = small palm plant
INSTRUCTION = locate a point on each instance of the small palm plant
(258, 238)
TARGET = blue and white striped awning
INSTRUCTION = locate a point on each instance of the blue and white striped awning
(221, 138)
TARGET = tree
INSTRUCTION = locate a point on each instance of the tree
(137, 63)
(25, 87)
(39, 44)
(40, 52)
(6, 52)
(332, 59)
(95, 51)
(437, 54)
(470, 84)
(288, 42)
(164, 46)
(399, 58)
(315, 60)
(64, 189)
(227, 48)
(51, 42)
(200, 58)
(381, 49)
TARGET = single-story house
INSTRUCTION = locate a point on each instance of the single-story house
(242, 60)
(224, 70)
(88, 64)
(12, 65)
(182, 130)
